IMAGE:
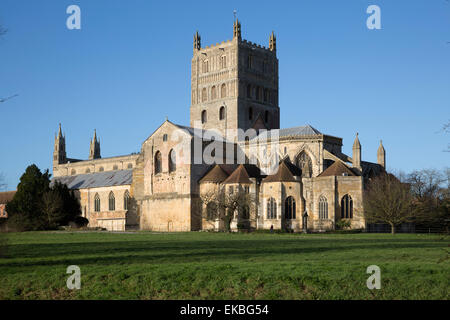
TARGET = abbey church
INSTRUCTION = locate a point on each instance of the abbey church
(298, 177)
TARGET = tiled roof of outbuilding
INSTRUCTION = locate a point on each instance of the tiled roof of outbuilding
(338, 168)
(7, 196)
(240, 175)
(216, 175)
(283, 174)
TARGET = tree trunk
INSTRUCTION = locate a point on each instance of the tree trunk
(392, 228)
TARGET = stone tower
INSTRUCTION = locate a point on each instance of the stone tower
(94, 149)
(381, 155)
(59, 152)
(234, 84)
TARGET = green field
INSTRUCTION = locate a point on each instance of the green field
(146, 265)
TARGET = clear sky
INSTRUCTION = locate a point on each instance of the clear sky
(129, 67)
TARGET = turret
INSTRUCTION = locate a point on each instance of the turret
(381, 155)
(59, 152)
(272, 42)
(237, 30)
(197, 41)
(357, 153)
(94, 149)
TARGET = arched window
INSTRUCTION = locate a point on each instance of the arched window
(204, 95)
(250, 113)
(223, 91)
(172, 161)
(158, 162)
(97, 203)
(223, 62)
(346, 207)
(165, 137)
(271, 208)
(88, 170)
(222, 113)
(213, 93)
(266, 95)
(323, 208)
(304, 162)
(249, 91)
(289, 208)
(126, 200)
(266, 116)
(204, 116)
(258, 93)
(205, 66)
(130, 166)
(112, 202)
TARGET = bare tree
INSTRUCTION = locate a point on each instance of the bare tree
(223, 206)
(388, 200)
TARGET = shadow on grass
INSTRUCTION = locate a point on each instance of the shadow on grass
(154, 252)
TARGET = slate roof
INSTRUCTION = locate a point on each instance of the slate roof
(7, 196)
(97, 179)
(305, 130)
(337, 169)
(283, 174)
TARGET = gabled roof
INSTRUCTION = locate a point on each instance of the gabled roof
(240, 175)
(96, 180)
(338, 168)
(215, 175)
(283, 174)
(6, 196)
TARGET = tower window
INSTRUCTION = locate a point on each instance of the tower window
(204, 116)
(266, 116)
(250, 62)
(223, 62)
(204, 95)
(213, 93)
(165, 137)
(258, 93)
(266, 95)
(222, 113)
(205, 66)
(250, 113)
(249, 91)
(223, 91)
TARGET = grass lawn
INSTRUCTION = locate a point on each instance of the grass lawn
(145, 265)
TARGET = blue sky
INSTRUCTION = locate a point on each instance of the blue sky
(129, 67)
